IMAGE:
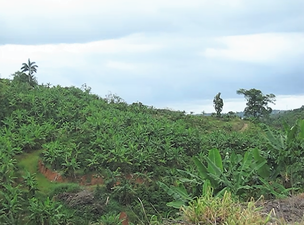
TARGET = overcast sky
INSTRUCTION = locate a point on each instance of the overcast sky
(166, 53)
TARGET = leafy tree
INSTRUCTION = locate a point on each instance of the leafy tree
(20, 77)
(257, 103)
(4, 86)
(218, 104)
(114, 98)
(31, 68)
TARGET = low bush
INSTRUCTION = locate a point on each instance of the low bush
(222, 210)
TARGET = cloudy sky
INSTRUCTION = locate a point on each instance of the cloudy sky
(166, 53)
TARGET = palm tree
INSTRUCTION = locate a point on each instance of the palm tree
(30, 67)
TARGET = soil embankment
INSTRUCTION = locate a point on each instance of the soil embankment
(85, 180)
(290, 209)
(53, 176)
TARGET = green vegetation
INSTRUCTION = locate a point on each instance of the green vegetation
(31, 68)
(147, 162)
(218, 104)
(225, 210)
(28, 162)
(283, 118)
(257, 103)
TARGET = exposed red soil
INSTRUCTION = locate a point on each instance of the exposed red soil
(53, 176)
(137, 180)
(124, 218)
(290, 209)
(85, 180)
(50, 174)
(88, 180)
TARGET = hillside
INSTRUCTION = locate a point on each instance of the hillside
(140, 158)
(288, 116)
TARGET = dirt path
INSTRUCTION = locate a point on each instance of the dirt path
(245, 127)
(290, 210)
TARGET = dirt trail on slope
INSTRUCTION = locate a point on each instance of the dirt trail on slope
(245, 127)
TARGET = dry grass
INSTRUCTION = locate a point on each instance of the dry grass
(225, 210)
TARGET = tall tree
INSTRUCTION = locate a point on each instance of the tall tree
(218, 104)
(21, 77)
(257, 103)
(29, 67)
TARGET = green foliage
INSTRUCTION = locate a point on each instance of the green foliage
(288, 153)
(241, 174)
(31, 68)
(75, 132)
(23, 78)
(10, 204)
(244, 176)
(7, 162)
(110, 220)
(153, 199)
(257, 103)
(218, 104)
(288, 117)
(46, 212)
(226, 210)
(65, 187)
(31, 183)
(237, 142)
(124, 192)
(179, 193)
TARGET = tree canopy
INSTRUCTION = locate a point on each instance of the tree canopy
(24, 78)
(257, 103)
(218, 104)
(31, 68)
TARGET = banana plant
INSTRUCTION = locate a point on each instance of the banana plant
(7, 169)
(71, 162)
(10, 205)
(242, 173)
(288, 153)
(112, 219)
(95, 160)
(46, 212)
(53, 154)
(31, 183)
(178, 192)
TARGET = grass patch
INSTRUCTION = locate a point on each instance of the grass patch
(222, 210)
(29, 162)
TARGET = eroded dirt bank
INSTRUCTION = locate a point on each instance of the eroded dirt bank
(53, 176)
(290, 209)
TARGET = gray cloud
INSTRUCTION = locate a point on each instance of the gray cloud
(160, 53)
(95, 20)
